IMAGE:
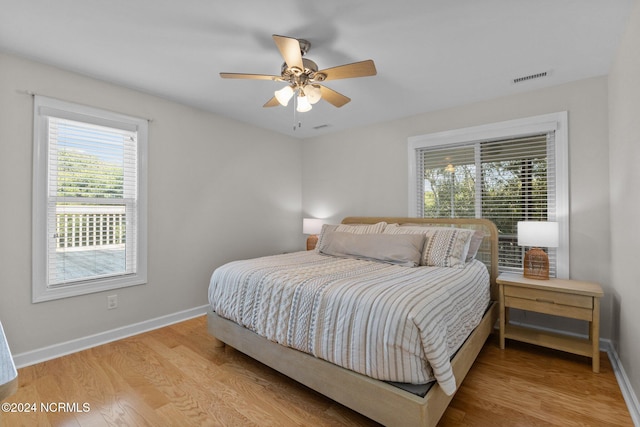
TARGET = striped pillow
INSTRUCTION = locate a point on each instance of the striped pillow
(362, 228)
(444, 247)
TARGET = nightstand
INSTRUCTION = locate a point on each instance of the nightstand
(567, 298)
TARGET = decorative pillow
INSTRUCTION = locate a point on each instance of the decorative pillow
(474, 245)
(444, 247)
(362, 228)
(326, 228)
(404, 250)
(350, 228)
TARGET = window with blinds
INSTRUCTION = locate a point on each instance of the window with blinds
(89, 200)
(516, 170)
(505, 180)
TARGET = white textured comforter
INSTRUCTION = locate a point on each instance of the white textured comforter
(387, 322)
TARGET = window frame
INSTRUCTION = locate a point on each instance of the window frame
(557, 122)
(41, 291)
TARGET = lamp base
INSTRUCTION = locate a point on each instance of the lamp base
(536, 264)
(312, 241)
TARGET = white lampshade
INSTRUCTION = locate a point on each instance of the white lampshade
(538, 234)
(303, 104)
(284, 95)
(313, 93)
(311, 225)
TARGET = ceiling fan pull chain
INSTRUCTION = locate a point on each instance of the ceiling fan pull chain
(295, 114)
(295, 102)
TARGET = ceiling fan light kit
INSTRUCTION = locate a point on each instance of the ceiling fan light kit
(313, 93)
(284, 95)
(302, 76)
(303, 103)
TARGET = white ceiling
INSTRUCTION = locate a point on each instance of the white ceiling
(430, 54)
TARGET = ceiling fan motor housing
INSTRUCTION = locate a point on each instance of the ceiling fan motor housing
(299, 77)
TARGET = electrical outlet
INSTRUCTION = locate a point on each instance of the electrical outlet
(112, 302)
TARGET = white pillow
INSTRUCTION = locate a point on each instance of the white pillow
(474, 245)
(350, 228)
(326, 228)
(404, 250)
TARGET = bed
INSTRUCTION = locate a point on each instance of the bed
(331, 362)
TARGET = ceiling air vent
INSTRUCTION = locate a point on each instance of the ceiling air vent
(530, 77)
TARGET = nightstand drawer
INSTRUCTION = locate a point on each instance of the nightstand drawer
(549, 307)
(550, 297)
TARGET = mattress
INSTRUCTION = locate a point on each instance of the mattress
(385, 321)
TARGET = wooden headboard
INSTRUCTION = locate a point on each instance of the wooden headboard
(488, 252)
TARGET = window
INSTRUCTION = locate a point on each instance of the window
(89, 208)
(507, 172)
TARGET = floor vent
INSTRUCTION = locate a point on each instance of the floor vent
(530, 77)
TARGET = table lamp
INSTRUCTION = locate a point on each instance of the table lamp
(313, 227)
(537, 234)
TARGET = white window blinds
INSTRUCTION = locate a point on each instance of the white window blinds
(89, 200)
(505, 180)
(92, 201)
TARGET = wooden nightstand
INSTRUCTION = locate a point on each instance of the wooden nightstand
(567, 298)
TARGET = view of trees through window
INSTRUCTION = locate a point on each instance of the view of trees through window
(86, 175)
(505, 181)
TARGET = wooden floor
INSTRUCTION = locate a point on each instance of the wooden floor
(175, 377)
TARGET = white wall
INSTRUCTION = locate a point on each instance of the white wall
(364, 171)
(218, 190)
(624, 111)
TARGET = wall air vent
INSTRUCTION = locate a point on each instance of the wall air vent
(530, 77)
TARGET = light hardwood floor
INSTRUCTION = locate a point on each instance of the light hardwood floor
(175, 377)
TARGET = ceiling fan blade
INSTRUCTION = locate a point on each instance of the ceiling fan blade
(290, 51)
(273, 102)
(332, 97)
(357, 69)
(249, 76)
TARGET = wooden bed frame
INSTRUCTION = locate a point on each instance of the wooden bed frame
(378, 400)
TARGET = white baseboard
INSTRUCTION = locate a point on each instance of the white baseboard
(628, 393)
(57, 350)
(623, 381)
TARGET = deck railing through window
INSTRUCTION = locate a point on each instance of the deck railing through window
(90, 226)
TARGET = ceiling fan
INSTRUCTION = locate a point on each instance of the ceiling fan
(302, 76)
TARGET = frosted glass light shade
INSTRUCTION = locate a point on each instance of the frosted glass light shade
(312, 225)
(284, 95)
(303, 104)
(538, 234)
(313, 93)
